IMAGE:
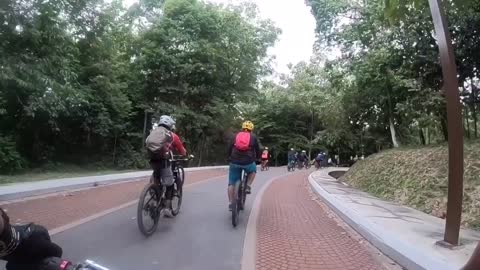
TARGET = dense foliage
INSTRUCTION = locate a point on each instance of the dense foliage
(383, 88)
(80, 80)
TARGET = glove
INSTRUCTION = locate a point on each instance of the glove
(34, 247)
(52, 263)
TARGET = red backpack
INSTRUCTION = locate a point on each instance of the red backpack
(242, 141)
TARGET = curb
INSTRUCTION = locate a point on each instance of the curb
(24, 190)
(405, 254)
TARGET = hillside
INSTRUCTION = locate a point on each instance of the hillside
(417, 177)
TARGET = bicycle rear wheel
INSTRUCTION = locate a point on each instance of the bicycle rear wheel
(177, 198)
(235, 209)
(242, 195)
(148, 209)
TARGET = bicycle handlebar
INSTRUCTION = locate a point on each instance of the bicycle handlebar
(91, 265)
(180, 158)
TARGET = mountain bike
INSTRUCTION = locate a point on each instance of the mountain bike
(88, 265)
(265, 166)
(54, 263)
(308, 164)
(153, 197)
(300, 165)
(291, 165)
(239, 199)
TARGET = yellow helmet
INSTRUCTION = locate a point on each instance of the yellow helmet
(248, 125)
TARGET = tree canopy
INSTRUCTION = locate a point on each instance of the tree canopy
(80, 78)
(83, 81)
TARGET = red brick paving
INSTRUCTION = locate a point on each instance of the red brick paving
(61, 209)
(295, 231)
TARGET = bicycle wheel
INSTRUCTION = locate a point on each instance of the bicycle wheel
(177, 198)
(235, 210)
(148, 210)
(242, 195)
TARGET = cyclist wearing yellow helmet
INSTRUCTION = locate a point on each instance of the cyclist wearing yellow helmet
(243, 153)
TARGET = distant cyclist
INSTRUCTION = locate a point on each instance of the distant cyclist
(160, 142)
(265, 157)
(243, 152)
(291, 156)
(302, 158)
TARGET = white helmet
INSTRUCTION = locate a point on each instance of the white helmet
(303, 151)
(266, 148)
(292, 149)
(167, 122)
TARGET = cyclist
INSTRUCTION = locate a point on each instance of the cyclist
(292, 157)
(243, 152)
(302, 158)
(265, 157)
(25, 247)
(160, 163)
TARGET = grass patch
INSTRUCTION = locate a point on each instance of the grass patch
(56, 172)
(417, 177)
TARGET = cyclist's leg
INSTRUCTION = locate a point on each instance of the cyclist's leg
(234, 174)
(251, 170)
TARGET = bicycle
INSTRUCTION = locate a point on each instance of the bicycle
(239, 199)
(291, 166)
(88, 265)
(308, 164)
(153, 197)
(300, 165)
(54, 263)
(265, 166)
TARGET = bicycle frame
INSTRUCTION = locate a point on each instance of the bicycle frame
(174, 163)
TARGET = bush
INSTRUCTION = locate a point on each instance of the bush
(129, 158)
(10, 158)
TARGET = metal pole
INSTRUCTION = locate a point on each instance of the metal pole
(454, 118)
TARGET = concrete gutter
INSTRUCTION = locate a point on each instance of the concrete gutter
(404, 234)
(37, 188)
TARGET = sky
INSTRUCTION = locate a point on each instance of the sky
(295, 44)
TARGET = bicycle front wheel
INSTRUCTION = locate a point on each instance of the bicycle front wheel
(177, 198)
(148, 210)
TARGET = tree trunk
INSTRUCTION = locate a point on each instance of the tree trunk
(466, 124)
(144, 129)
(422, 136)
(395, 141)
(429, 136)
(201, 148)
(443, 123)
(473, 98)
(114, 149)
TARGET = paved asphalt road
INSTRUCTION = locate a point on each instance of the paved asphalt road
(201, 237)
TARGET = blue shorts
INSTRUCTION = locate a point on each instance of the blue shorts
(235, 172)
